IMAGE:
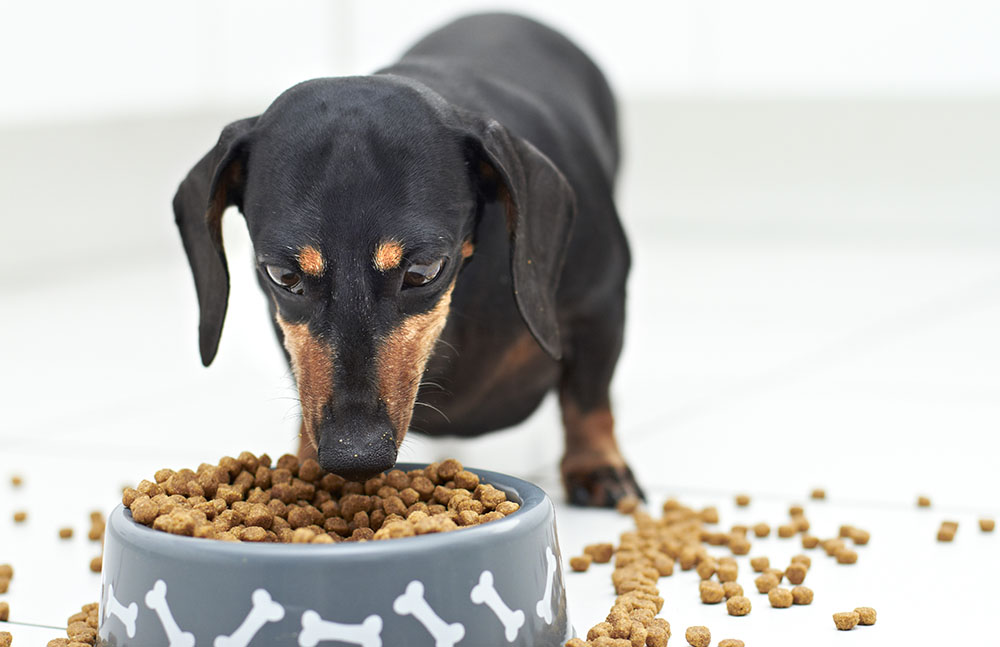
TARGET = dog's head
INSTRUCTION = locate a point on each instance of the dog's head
(362, 197)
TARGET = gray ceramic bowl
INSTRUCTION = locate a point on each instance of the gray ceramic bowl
(496, 584)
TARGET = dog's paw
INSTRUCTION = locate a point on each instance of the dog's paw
(601, 487)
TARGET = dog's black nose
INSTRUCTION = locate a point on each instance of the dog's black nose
(356, 445)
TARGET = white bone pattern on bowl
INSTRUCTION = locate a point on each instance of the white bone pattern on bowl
(315, 629)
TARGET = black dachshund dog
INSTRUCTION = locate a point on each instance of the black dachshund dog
(441, 233)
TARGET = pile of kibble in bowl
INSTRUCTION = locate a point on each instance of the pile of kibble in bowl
(246, 499)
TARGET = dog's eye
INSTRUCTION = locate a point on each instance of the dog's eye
(422, 273)
(285, 278)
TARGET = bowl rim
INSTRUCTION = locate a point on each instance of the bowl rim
(531, 513)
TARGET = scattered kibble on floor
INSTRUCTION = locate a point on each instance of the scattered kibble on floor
(698, 636)
(923, 502)
(866, 615)
(847, 620)
(986, 525)
(20, 516)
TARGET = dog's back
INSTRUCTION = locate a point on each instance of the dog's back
(529, 77)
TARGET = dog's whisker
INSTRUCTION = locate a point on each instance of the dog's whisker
(431, 406)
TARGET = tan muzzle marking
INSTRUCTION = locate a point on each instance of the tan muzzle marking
(312, 365)
(402, 359)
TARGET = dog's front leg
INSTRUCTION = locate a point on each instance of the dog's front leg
(593, 470)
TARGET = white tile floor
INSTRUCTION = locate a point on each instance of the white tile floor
(866, 363)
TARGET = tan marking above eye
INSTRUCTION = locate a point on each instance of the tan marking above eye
(311, 261)
(388, 255)
(467, 249)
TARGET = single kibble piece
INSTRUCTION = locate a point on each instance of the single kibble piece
(765, 582)
(731, 642)
(759, 564)
(860, 537)
(762, 530)
(65, 533)
(986, 525)
(580, 563)
(846, 621)
(866, 615)
(945, 533)
(628, 504)
(787, 530)
(923, 502)
(698, 636)
(20, 516)
(833, 546)
(796, 511)
(601, 553)
(742, 500)
(727, 572)
(810, 541)
(818, 493)
(739, 545)
(4, 611)
(16, 480)
(796, 573)
(6, 639)
(96, 563)
(802, 595)
(845, 531)
(732, 589)
(711, 592)
(6, 571)
(846, 556)
(802, 559)
(738, 605)
(780, 598)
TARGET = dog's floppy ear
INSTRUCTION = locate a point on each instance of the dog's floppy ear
(540, 208)
(216, 182)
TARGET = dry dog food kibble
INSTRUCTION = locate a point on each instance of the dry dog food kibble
(787, 530)
(698, 636)
(738, 605)
(17, 480)
(846, 556)
(947, 530)
(866, 615)
(4, 611)
(765, 582)
(759, 564)
(65, 533)
(742, 500)
(986, 525)
(20, 516)
(628, 504)
(731, 642)
(923, 502)
(711, 592)
(818, 493)
(96, 564)
(248, 499)
(810, 541)
(601, 553)
(6, 639)
(580, 563)
(796, 572)
(780, 598)
(846, 621)
(802, 595)
(732, 589)
(762, 530)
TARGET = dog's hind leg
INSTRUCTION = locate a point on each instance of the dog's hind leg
(593, 470)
